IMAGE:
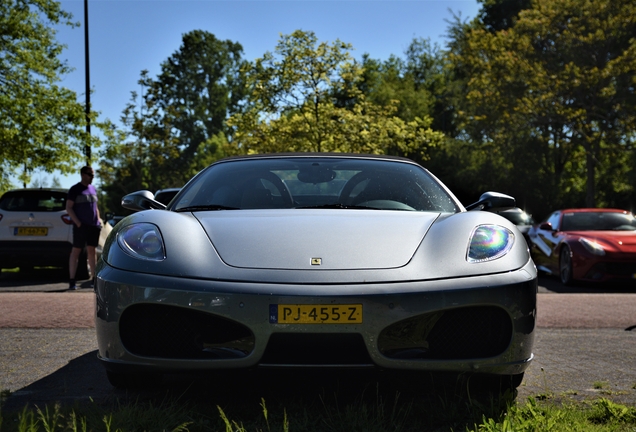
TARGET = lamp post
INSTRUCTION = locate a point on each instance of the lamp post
(87, 148)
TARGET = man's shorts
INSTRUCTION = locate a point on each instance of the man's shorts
(85, 235)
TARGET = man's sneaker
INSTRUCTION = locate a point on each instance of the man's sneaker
(72, 287)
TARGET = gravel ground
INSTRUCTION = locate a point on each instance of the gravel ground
(583, 364)
(36, 364)
(585, 348)
(41, 366)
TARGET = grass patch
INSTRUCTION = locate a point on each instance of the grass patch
(370, 412)
(12, 270)
(323, 402)
(600, 385)
(599, 415)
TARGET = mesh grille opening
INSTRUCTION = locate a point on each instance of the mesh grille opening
(456, 334)
(612, 269)
(151, 330)
(320, 349)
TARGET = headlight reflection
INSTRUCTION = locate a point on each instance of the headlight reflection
(489, 242)
(143, 241)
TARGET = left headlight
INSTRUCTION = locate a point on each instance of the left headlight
(592, 246)
(489, 242)
(143, 241)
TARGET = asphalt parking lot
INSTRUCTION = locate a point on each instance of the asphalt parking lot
(585, 344)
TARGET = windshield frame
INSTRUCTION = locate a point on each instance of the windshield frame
(598, 220)
(323, 176)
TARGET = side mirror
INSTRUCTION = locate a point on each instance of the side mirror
(492, 200)
(141, 200)
(546, 226)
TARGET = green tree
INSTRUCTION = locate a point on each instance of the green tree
(554, 94)
(426, 67)
(179, 126)
(41, 123)
(199, 86)
(384, 83)
(498, 15)
(422, 84)
(306, 97)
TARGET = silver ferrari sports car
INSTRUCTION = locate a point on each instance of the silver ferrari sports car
(315, 260)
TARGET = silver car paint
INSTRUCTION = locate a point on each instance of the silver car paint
(206, 270)
(433, 250)
(383, 304)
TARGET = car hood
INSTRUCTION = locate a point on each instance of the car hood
(313, 246)
(305, 239)
(618, 241)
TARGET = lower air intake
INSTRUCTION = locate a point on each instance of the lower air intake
(319, 349)
(151, 330)
(456, 334)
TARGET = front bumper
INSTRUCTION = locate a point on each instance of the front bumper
(615, 267)
(154, 323)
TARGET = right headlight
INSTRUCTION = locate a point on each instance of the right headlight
(143, 241)
(489, 242)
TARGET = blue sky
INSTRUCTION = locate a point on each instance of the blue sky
(127, 36)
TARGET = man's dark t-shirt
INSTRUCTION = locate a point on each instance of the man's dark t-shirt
(85, 203)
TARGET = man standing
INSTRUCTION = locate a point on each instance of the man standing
(81, 206)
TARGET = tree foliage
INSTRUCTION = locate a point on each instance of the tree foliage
(552, 99)
(531, 98)
(180, 126)
(416, 81)
(41, 123)
(498, 15)
(306, 97)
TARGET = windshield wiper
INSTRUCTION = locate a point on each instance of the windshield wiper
(204, 208)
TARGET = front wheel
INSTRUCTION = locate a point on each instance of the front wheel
(565, 266)
(497, 384)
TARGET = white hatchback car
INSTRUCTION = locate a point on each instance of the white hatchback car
(36, 231)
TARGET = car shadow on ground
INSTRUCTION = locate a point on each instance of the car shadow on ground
(35, 276)
(548, 283)
(78, 381)
(39, 279)
(83, 382)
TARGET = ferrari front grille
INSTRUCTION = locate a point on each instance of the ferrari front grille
(455, 334)
(612, 269)
(316, 349)
(152, 330)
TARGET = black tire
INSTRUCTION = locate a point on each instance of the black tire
(565, 266)
(512, 381)
(495, 384)
(138, 381)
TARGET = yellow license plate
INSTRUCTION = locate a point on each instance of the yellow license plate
(30, 231)
(315, 314)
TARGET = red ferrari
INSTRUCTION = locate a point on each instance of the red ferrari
(587, 245)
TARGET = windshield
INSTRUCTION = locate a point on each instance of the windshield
(598, 221)
(315, 182)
